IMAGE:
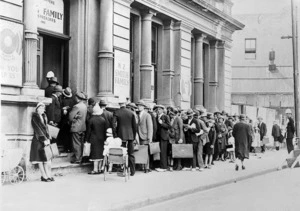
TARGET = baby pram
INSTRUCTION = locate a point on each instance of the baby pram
(11, 171)
(115, 156)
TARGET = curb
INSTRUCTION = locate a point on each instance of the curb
(156, 200)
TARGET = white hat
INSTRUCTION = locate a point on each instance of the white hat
(97, 110)
(288, 111)
(50, 74)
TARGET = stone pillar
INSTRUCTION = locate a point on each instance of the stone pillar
(206, 75)
(221, 76)
(105, 53)
(168, 64)
(146, 64)
(30, 23)
(198, 72)
(213, 76)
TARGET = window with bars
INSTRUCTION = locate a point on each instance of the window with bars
(250, 48)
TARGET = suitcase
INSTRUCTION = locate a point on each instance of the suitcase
(141, 156)
(266, 140)
(154, 148)
(182, 150)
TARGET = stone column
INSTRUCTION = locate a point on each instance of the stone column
(146, 64)
(30, 23)
(213, 76)
(168, 64)
(206, 75)
(105, 53)
(221, 76)
(198, 73)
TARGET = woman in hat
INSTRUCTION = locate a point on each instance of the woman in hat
(222, 133)
(41, 138)
(52, 83)
(96, 135)
(64, 136)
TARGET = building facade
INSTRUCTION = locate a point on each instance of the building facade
(171, 52)
(262, 64)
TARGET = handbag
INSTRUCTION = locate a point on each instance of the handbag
(141, 156)
(156, 156)
(54, 149)
(182, 150)
(53, 131)
(154, 147)
(47, 152)
(86, 149)
(266, 140)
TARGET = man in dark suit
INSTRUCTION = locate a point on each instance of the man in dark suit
(190, 127)
(124, 127)
(263, 132)
(54, 110)
(290, 130)
(108, 116)
(162, 136)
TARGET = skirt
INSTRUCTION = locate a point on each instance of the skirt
(207, 149)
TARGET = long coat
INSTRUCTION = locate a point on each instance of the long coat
(53, 110)
(108, 116)
(290, 129)
(154, 123)
(40, 134)
(242, 135)
(77, 117)
(96, 135)
(221, 143)
(124, 124)
(262, 130)
(177, 126)
(212, 137)
(145, 128)
(162, 132)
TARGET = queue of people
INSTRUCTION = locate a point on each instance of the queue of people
(214, 136)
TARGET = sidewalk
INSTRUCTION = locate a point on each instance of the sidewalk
(91, 192)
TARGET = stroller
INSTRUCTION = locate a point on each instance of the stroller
(115, 156)
(11, 171)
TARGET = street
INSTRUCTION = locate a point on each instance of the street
(275, 191)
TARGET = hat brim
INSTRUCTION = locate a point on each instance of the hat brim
(141, 104)
(70, 95)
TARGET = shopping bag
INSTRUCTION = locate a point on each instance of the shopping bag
(182, 150)
(86, 149)
(53, 131)
(46, 152)
(265, 140)
(141, 156)
(156, 156)
(54, 149)
(154, 147)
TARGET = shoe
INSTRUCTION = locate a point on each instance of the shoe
(205, 167)
(75, 162)
(160, 170)
(243, 167)
(209, 166)
(132, 174)
(236, 167)
(51, 179)
(212, 163)
(193, 169)
(186, 169)
(201, 169)
(179, 168)
(146, 171)
(44, 179)
(170, 169)
(94, 172)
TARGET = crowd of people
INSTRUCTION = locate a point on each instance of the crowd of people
(214, 136)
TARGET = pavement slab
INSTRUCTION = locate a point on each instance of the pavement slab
(90, 192)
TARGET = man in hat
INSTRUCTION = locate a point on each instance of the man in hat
(191, 128)
(242, 135)
(290, 130)
(77, 117)
(108, 116)
(145, 129)
(263, 132)
(54, 110)
(52, 83)
(162, 136)
(124, 127)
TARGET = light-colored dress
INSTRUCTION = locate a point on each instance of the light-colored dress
(256, 141)
(230, 142)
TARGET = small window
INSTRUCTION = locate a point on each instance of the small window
(250, 48)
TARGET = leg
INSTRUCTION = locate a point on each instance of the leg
(163, 154)
(210, 160)
(195, 153)
(206, 160)
(131, 159)
(200, 155)
(42, 169)
(47, 168)
(77, 146)
(96, 166)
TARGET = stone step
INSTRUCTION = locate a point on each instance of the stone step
(290, 162)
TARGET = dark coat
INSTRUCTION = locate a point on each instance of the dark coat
(124, 124)
(40, 134)
(290, 129)
(212, 137)
(242, 135)
(276, 132)
(190, 134)
(96, 135)
(48, 91)
(177, 126)
(162, 132)
(154, 124)
(53, 111)
(108, 116)
(222, 141)
(262, 130)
